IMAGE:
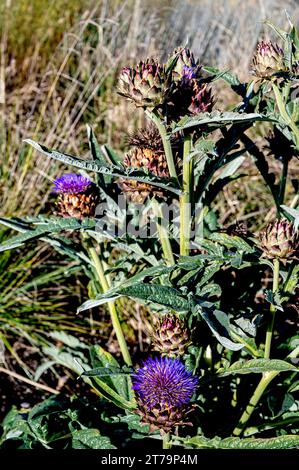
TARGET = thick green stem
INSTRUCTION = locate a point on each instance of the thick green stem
(167, 441)
(185, 199)
(166, 142)
(262, 385)
(286, 91)
(270, 328)
(264, 382)
(111, 305)
(284, 114)
(163, 234)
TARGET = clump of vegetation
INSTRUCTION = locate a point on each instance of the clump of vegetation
(146, 227)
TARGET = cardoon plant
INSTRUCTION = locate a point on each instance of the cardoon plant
(151, 232)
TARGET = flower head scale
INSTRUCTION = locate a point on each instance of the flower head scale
(71, 183)
(164, 381)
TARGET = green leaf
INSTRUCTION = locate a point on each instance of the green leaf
(99, 300)
(209, 290)
(294, 213)
(218, 119)
(61, 244)
(218, 323)
(229, 77)
(112, 157)
(273, 299)
(230, 168)
(280, 32)
(103, 360)
(208, 273)
(94, 147)
(108, 371)
(148, 272)
(97, 155)
(90, 165)
(78, 364)
(162, 295)
(232, 242)
(291, 281)
(66, 359)
(38, 418)
(293, 33)
(16, 428)
(90, 439)
(68, 340)
(202, 149)
(281, 442)
(133, 421)
(53, 225)
(258, 366)
(42, 368)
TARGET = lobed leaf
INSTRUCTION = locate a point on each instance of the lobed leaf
(218, 323)
(281, 442)
(217, 119)
(112, 170)
(162, 295)
(90, 439)
(258, 366)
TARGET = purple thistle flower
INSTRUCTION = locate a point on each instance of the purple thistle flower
(188, 73)
(71, 183)
(164, 381)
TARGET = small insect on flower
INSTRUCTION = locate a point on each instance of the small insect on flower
(164, 388)
(77, 196)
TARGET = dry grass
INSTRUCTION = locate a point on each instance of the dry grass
(59, 62)
(60, 59)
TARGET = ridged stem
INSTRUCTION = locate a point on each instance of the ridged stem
(263, 384)
(185, 199)
(166, 142)
(98, 265)
(284, 114)
(163, 234)
(270, 328)
(267, 377)
(166, 441)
